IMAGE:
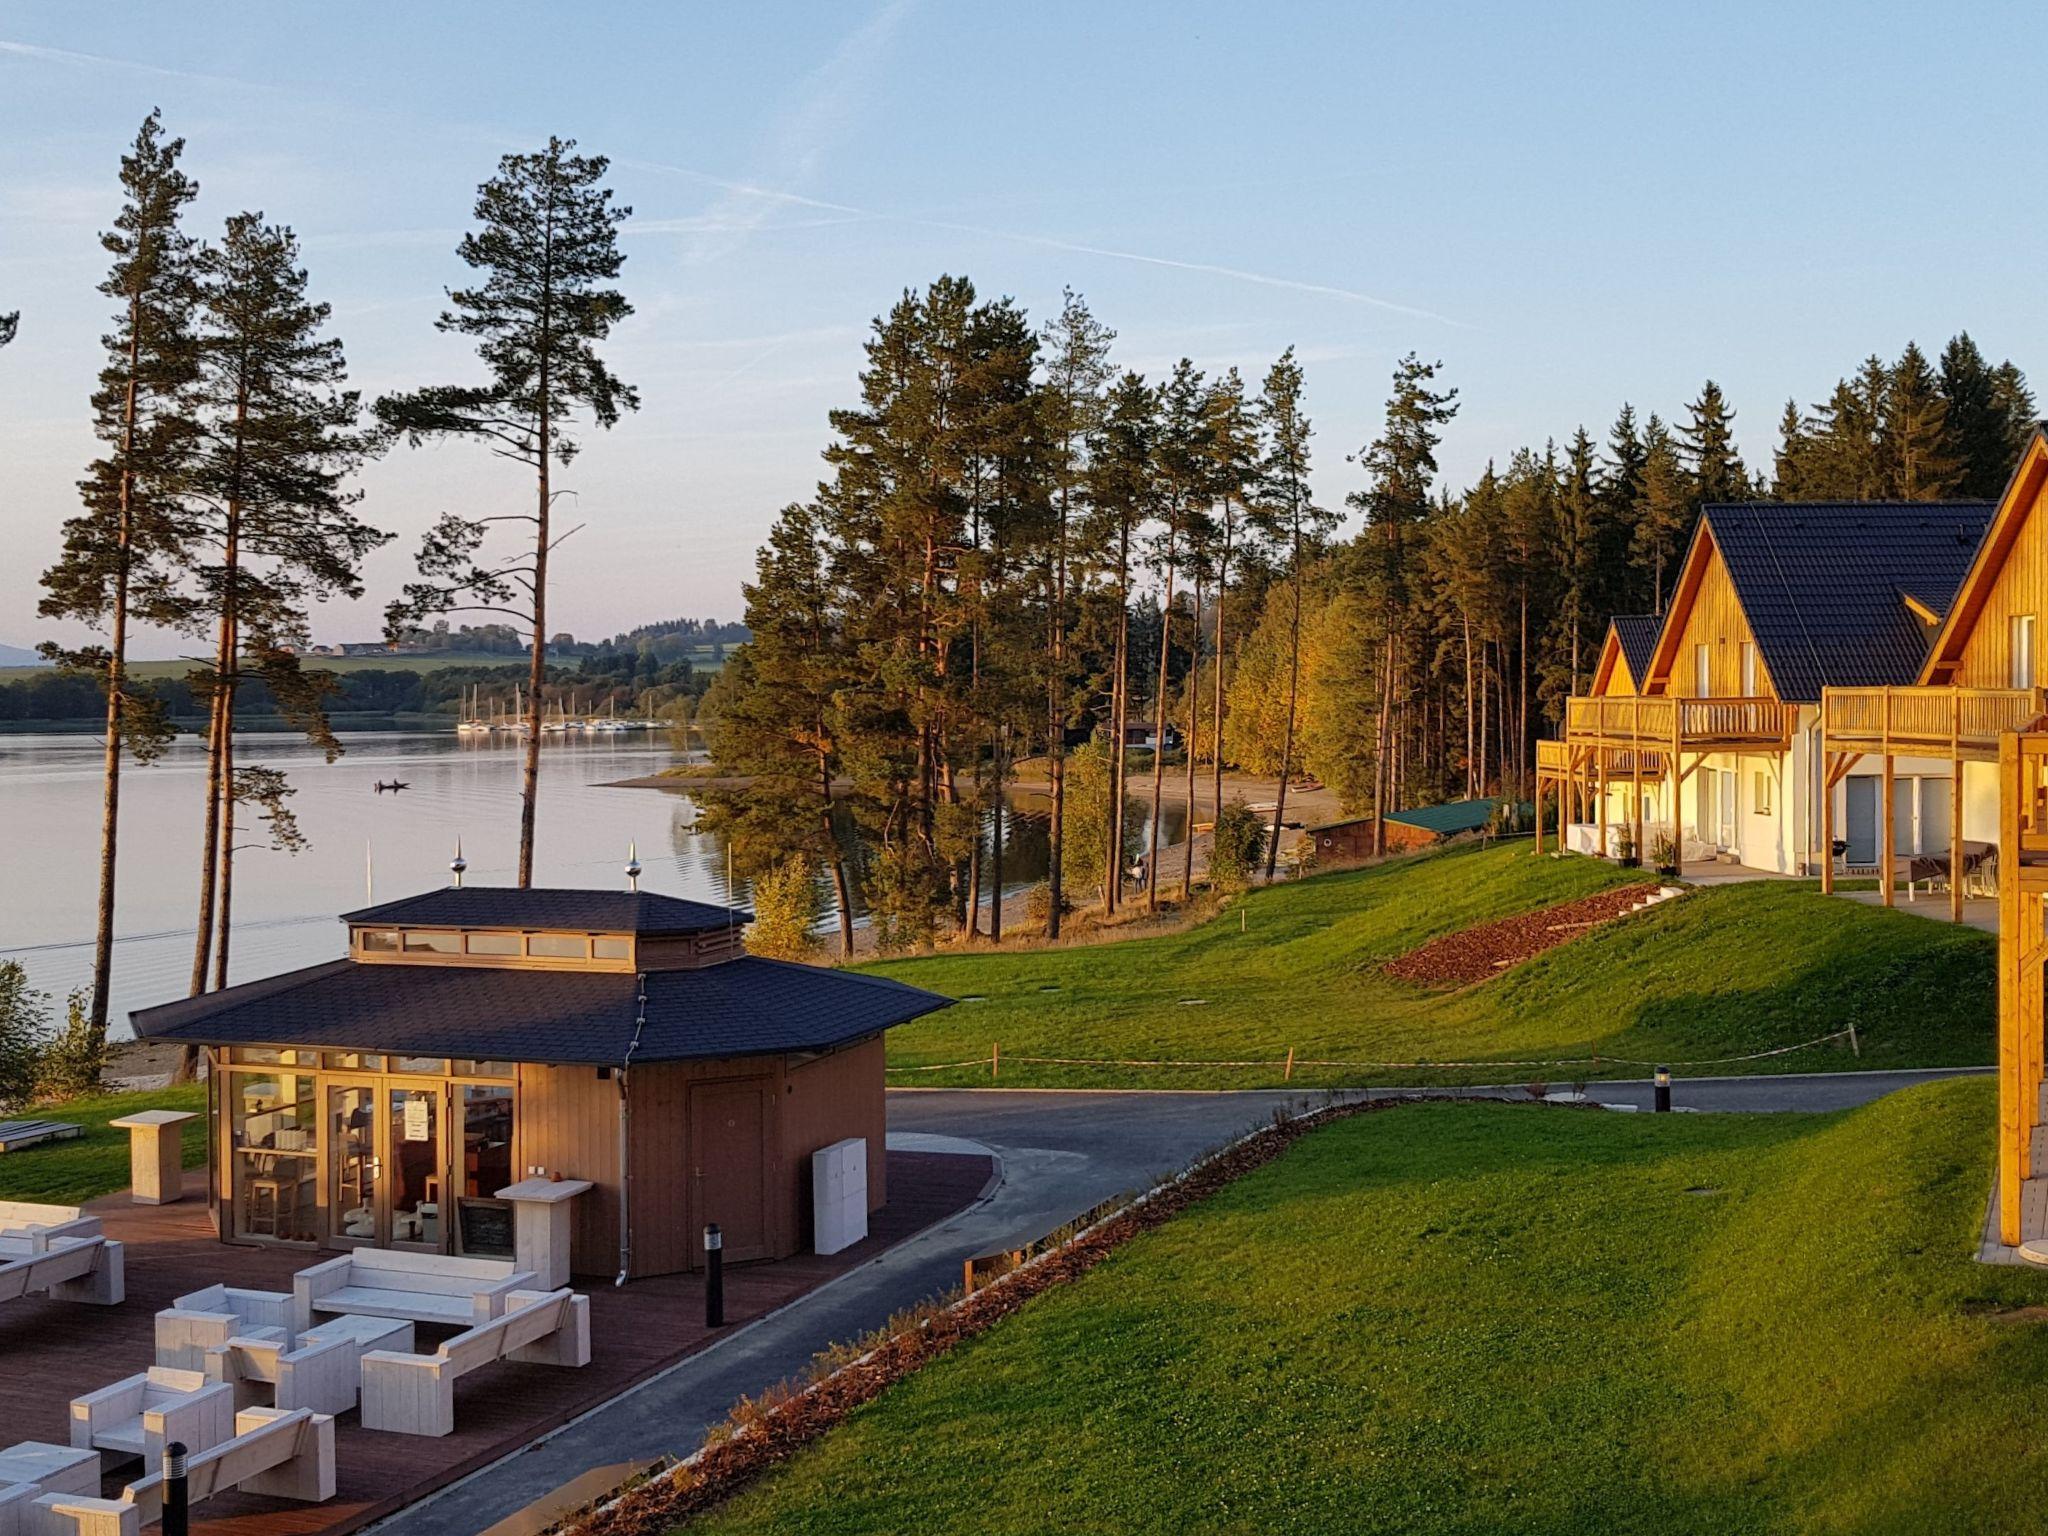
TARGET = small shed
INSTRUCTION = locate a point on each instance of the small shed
(1406, 830)
(473, 1038)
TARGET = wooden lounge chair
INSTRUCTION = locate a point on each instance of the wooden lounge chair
(285, 1455)
(207, 1319)
(20, 1218)
(135, 1416)
(321, 1371)
(419, 1287)
(87, 1269)
(415, 1394)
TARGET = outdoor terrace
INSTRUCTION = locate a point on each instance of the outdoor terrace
(57, 1350)
(1958, 724)
(1691, 725)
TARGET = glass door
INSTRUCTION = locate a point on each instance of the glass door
(414, 1186)
(354, 1167)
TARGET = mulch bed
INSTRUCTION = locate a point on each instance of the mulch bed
(1490, 948)
(764, 1434)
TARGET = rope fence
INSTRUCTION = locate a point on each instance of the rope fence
(1288, 1064)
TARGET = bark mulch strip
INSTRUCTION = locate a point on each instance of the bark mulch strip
(1487, 950)
(764, 1434)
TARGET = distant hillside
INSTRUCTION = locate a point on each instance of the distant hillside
(18, 656)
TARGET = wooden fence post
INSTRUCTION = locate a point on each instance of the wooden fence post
(995, 1061)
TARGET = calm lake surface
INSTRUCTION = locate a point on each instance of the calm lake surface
(286, 904)
(364, 845)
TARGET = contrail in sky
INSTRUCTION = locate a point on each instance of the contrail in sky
(101, 61)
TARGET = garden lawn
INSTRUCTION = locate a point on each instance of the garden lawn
(70, 1172)
(1724, 971)
(1500, 1318)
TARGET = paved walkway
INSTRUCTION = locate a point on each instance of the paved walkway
(1060, 1153)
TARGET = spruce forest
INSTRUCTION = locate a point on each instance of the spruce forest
(1022, 554)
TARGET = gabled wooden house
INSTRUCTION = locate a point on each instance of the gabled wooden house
(1929, 748)
(1718, 746)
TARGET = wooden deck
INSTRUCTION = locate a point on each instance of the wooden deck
(56, 1350)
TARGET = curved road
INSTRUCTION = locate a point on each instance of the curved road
(1060, 1153)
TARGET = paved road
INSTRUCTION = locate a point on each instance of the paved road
(1060, 1154)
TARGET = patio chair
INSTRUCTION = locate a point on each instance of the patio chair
(208, 1318)
(135, 1416)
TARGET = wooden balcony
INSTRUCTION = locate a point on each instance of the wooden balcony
(1958, 724)
(1689, 725)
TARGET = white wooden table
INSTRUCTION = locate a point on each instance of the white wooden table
(156, 1154)
(540, 1226)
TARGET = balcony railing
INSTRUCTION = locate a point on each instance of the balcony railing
(1957, 723)
(1659, 719)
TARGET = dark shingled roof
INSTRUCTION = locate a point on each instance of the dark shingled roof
(1637, 633)
(744, 1007)
(1449, 818)
(504, 906)
(1823, 583)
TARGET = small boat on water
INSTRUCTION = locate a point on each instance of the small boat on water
(394, 786)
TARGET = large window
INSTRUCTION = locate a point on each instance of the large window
(2022, 636)
(274, 1124)
(1703, 671)
(1749, 687)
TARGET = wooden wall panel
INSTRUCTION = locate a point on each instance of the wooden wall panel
(2021, 586)
(659, 1168)
(568, 1123)
(1716, 620)
(827, 1100)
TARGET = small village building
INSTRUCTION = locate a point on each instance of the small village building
(1711, 747)
(474, 1038)
(1407, 830)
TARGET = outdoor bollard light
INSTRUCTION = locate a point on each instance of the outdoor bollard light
(714, 1280)
(177, 1510)
(1663, 1100)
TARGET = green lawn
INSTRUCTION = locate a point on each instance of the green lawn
(1725, 971)
(1488, 1318)
(68, 1172)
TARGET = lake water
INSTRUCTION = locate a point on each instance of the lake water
(364, 845)
(286, 904)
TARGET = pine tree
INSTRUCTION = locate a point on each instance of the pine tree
(1400, 466)
(1183, 475)
(1707, 443)
(1234, 455)
(548, 249)
(1621, 486)
(1989, 415)
(1075, 347)
(1915, 431)
(1788, 466)
(779, 721)
(10, 323)
(1124, 494)
(1290, 520)
(271, 527)
(120, 551)
(1662, 510)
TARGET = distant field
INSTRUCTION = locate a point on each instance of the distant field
(434, 662)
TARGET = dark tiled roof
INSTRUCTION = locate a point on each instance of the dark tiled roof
(1637, 633)
(1823, 583)
(505, 906)
(744, 1007)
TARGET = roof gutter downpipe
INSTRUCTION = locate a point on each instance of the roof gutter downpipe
(625, 1141)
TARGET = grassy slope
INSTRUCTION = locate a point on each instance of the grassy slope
(67, 1172)
(1725, 971)
(1461, 1318)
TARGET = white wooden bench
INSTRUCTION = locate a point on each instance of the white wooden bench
(205, 1320)
(18, 1218)
(419, 1287)
(30, 1470)
(136, 1416)
(415, 1394)
(87, 1269)
(321, 1371)
(287, 1455)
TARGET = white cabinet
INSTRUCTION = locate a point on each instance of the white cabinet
(839, 1194)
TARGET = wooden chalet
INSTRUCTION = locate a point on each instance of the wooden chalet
(1713, 738)
(476, 1038)
(1929, 748)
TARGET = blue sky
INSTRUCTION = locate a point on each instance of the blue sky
(1569, 204)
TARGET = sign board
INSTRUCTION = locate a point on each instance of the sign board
(419, 1118)
(486, 1226)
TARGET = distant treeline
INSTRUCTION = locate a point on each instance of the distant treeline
(630, 682)
(666, 640)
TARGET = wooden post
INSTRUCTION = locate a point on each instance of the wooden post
(1600, 800)
(1885, 840)
(1827, 820)
(1955, 809)
(1287, 1073)
(1635, 772)
(995, 1060)
(2012, 1148)
(1539, 807)
(1674, 780)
